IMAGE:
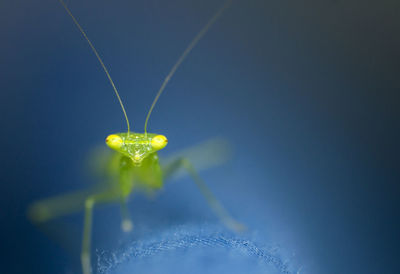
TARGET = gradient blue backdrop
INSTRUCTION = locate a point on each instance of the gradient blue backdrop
(306, 92)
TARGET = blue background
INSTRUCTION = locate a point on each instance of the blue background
(306, 92)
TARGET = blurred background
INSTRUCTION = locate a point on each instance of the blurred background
(306, 93)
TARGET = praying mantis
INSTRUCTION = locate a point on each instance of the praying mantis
(133, 166)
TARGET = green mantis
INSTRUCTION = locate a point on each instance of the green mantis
(133, 166)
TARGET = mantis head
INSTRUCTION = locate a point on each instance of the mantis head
(136, 146)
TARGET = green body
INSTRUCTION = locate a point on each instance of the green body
(123, 175)
(148, 176)
(126, 174)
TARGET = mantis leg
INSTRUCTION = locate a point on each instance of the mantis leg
(205, 155)
(126, 224)
(215, 205)
(104, 197)
(47, 209)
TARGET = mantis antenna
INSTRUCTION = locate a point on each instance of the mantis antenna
(192, 44)
(100, 60)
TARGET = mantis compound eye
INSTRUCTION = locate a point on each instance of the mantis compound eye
(159, 142)
(114, 141)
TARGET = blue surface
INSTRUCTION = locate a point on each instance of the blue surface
(193, 249)
(306, 92)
